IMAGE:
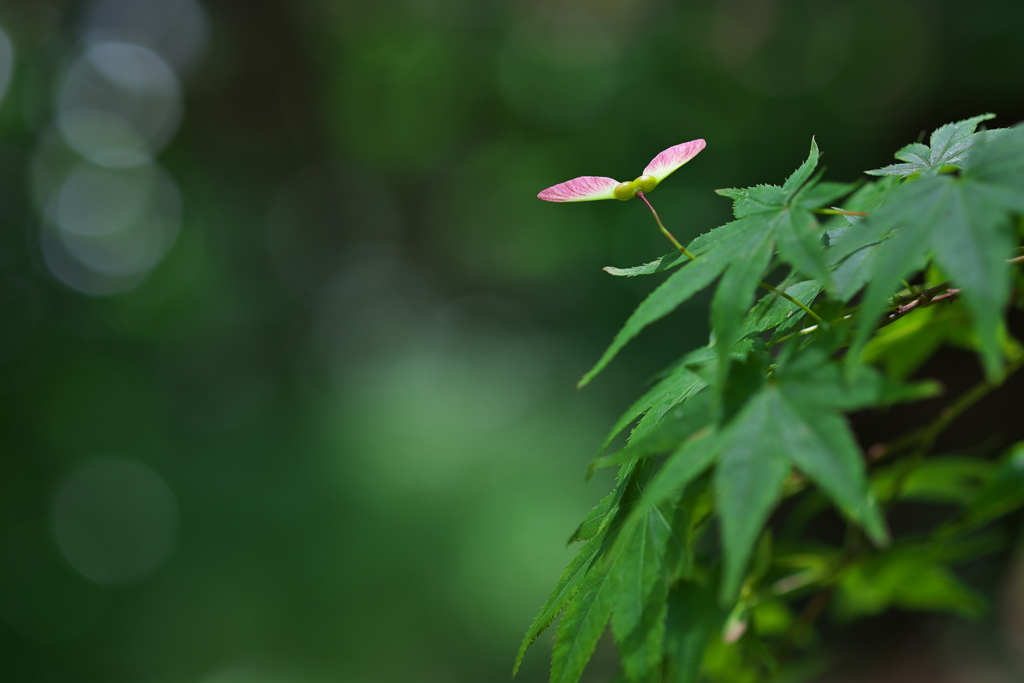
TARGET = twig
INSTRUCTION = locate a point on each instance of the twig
(925, 437)
(925, 297)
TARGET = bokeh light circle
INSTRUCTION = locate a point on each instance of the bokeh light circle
(115, 520)
(95, 201)
(106, 229)
(119, 104)
(6, 63)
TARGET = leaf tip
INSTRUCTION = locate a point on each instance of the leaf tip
(519, 658)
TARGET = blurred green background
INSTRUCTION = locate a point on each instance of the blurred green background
(288, 346)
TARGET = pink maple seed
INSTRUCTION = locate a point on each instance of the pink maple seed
(583, 189)
(672, 158)
(591, 188)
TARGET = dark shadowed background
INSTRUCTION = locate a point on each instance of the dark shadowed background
(288, 346)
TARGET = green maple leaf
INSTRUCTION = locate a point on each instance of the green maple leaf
(785, 216)
(948, 146)
(677, 384)
(568, 585)
(689, 418)
(597, 519)
(851, 258)
(638, 614)
(581, 627)
(964, 223)
(582, 592)
(748, 480)
(793, 420)
(786, 224)
(694, 618)
(624, 585)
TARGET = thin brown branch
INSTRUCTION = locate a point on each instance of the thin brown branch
(921, 299)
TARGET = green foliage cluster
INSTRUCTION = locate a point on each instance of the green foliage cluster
(680, 558)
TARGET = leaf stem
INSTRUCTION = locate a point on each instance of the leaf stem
(840, 212)
(692, 256)
(925, 437)
(821, 322)
(664, 230)
(808, 330)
